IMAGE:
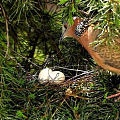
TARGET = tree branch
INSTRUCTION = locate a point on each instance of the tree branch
(7, 30)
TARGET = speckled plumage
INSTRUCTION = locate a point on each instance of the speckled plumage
(81, 27)
(109, 54)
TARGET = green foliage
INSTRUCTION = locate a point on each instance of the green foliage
(34, 101)
(34, 33)
(63, 1)
(19, 114)
(32, 96)
(104, 12)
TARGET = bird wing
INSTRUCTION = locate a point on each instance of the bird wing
(109, 53)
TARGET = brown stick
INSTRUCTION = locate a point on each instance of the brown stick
(7, 30)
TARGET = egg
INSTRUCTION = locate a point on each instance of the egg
(53, 77)
(56, 77)
(44, 75)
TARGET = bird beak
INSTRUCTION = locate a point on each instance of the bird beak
(61, 38)
(68, 31)
(64, 29)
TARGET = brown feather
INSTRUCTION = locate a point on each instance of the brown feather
(105, 55)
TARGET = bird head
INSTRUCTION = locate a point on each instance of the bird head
(69, 31)
(81, 31)
(77, 31)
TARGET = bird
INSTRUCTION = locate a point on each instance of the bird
(53, 77)
(105, 56)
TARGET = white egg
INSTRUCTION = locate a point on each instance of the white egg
(56, 77)
(44, 75)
